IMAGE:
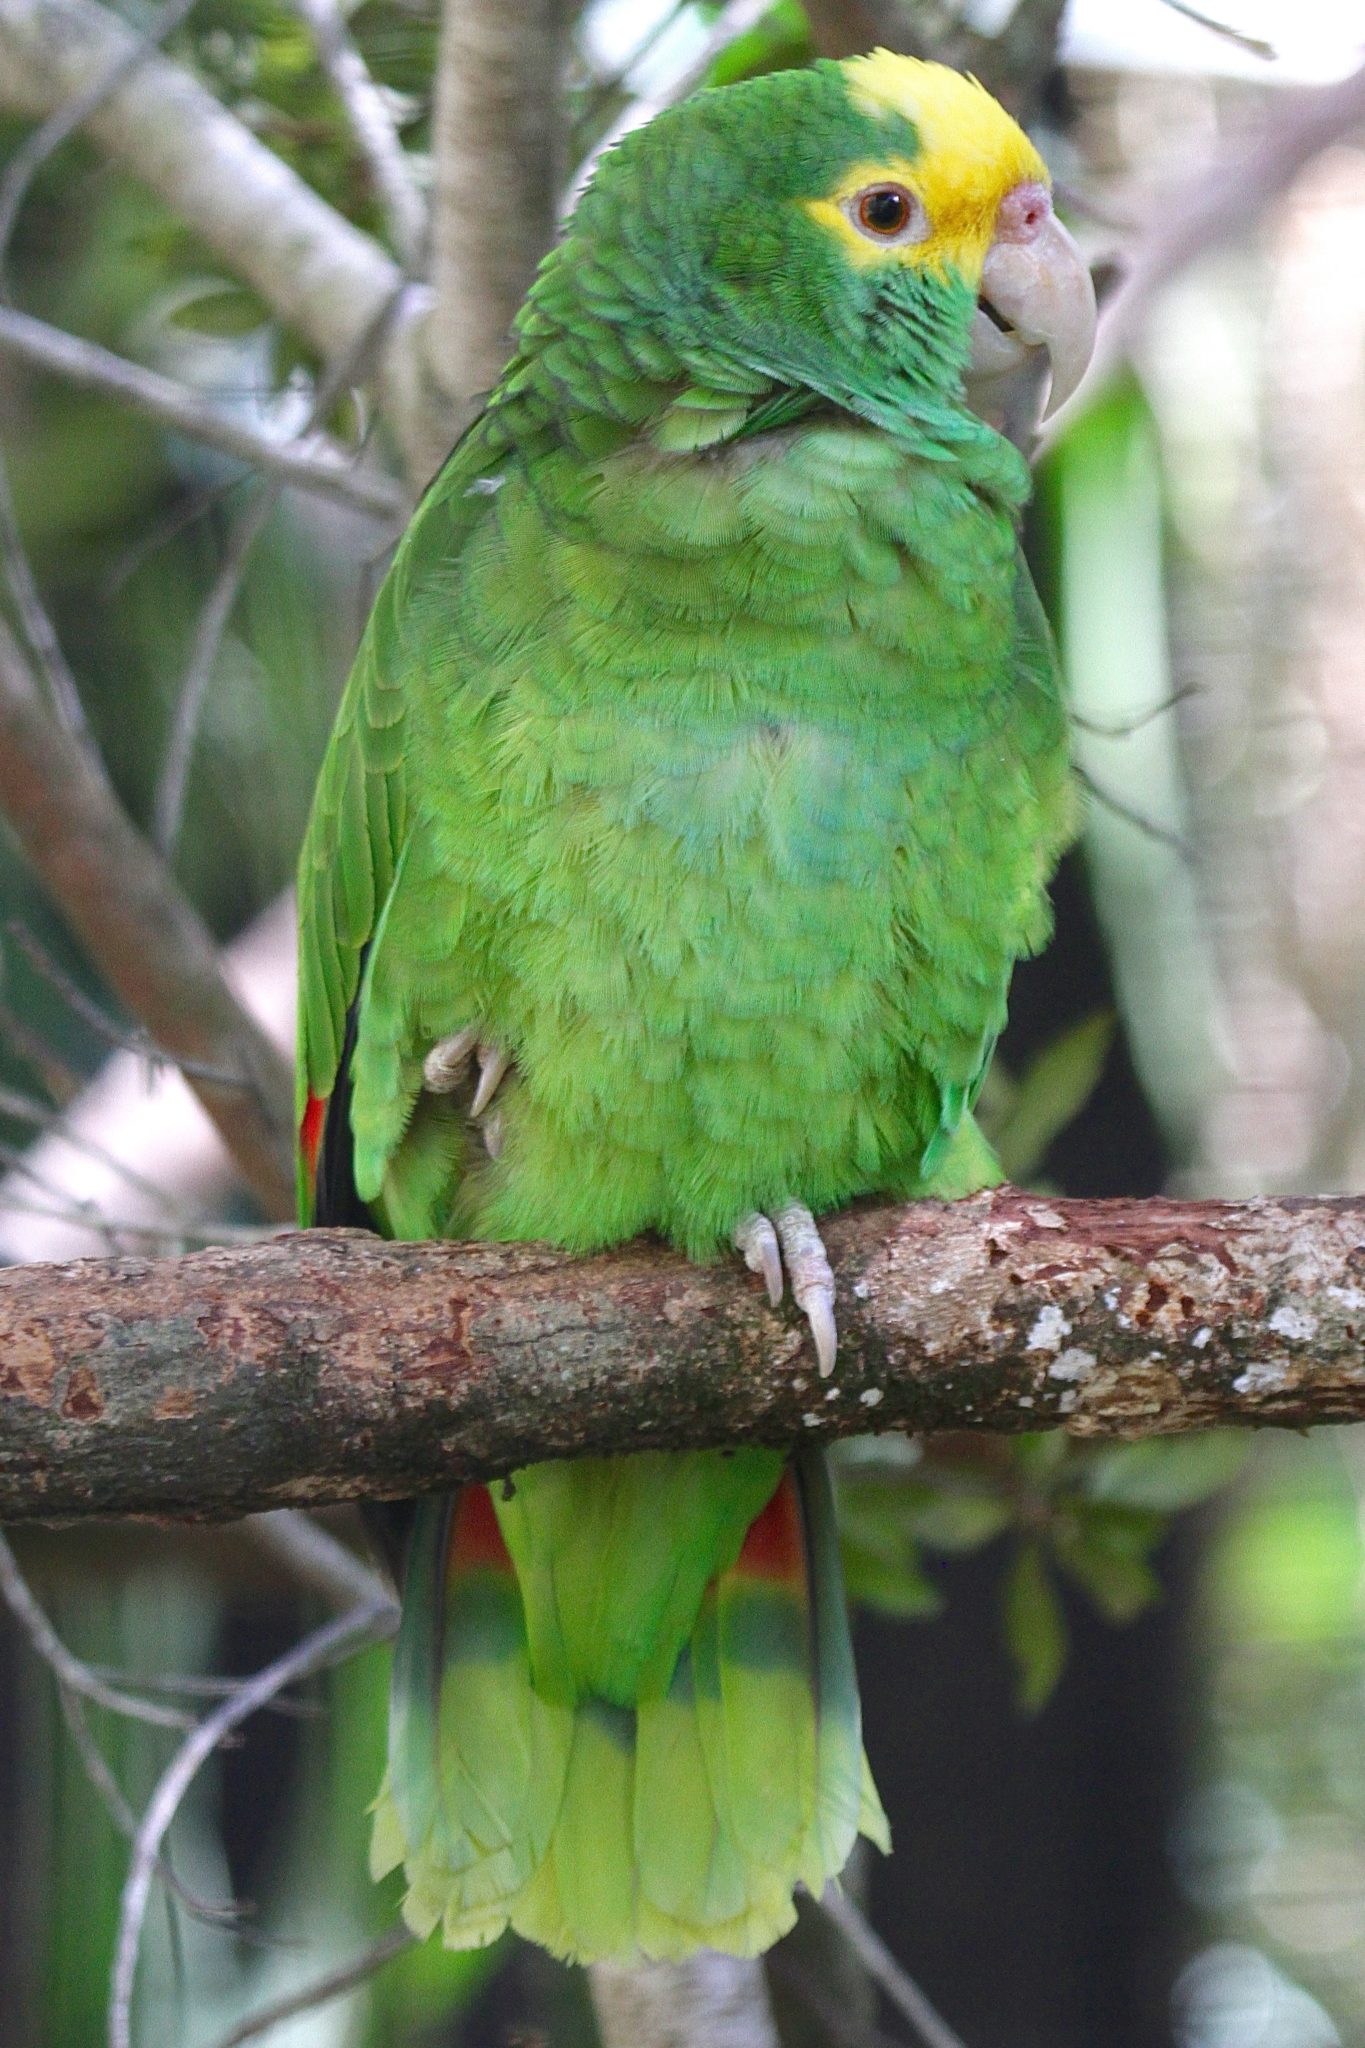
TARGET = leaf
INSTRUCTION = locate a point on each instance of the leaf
(1116, 1576)
(223, 311)
(1166, 1473)
(894, 1583)
(1052, 1091)
(1035, 1628)
(955, 1521)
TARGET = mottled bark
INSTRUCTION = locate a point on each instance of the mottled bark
(333, 1366)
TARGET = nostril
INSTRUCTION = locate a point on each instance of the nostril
(1023, 213)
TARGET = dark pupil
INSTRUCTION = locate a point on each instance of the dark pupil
(884, 212)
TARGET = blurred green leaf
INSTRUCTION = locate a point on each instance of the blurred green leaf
(1106, 1552)
(1052, 1091)
(1166, 1472)
(217, 308)
(1035, 1627)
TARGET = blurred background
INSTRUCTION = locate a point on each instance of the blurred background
(1115, 1698)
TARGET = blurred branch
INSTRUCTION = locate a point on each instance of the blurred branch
(309, 462)
(372, 128)
(64, 120)
(735, 19)
(886, 1973)
(709, 2001)
(71, 1674)
(140, 931)
(316, 1652)
(322, 1990)
(172, 786)
(497, 143)
(322, 276)
(1224, 202)
(1256, 45)
(1014, 63)
(330, 1365)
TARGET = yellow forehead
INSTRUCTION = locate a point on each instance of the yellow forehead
(971, 154)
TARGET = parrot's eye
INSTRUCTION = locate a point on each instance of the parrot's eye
(888, 213)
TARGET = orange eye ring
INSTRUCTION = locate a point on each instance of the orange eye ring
(885, 210)
(887, 213)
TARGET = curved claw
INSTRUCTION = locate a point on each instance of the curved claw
(444, 1067)
(812, 1279)
(757, 1240)
(493, 1064)
(792, 1239)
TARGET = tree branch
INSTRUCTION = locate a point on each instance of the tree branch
(140, 931)
(310, 462)
(496, 136)
(330, 1365)
(317, 272)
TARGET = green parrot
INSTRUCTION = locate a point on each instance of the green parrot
(697, 786)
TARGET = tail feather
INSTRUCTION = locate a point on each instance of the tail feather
(681, 1820)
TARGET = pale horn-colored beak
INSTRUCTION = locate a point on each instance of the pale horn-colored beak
(1035, 282)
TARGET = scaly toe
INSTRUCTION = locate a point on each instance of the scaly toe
(757, 1240)
(812, 1278)
(445, 1065)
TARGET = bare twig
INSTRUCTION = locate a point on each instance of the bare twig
(1150, 828)
(1256, 45)
(881, 1966)
(372, 128)
(324, 1647)
(317, 1559)
(72, 1675)
(736, 18)
(126, 1038)
(322, 1989)
(140, 931)
(147, 1117)
(40, 634)
(173, 781)
(330, 1365)
(40, 1117)
(1123, 729)
(308, 462)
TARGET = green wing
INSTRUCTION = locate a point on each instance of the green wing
(353, 849)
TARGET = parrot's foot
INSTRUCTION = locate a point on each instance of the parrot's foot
(792, 1236)
(446, 1068)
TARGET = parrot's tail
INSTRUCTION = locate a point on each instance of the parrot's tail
(684, 1820)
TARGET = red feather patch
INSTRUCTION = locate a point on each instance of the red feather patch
(475, 1538)
(773, 1548)
(310, 1130)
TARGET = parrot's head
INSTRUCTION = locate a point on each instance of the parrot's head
(870, 231)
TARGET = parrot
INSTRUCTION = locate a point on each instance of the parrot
(697, 785)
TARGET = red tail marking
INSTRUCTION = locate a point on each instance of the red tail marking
(475, 1538)
(773, 1548)
(310, 1130)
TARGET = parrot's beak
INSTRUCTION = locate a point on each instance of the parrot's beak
(1036, 293)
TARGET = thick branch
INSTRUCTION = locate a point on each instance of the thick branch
(496, 137)
(331, 1365)
(321, 275)
(141, 932)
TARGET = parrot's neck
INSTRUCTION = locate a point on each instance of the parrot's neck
(598, 368)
